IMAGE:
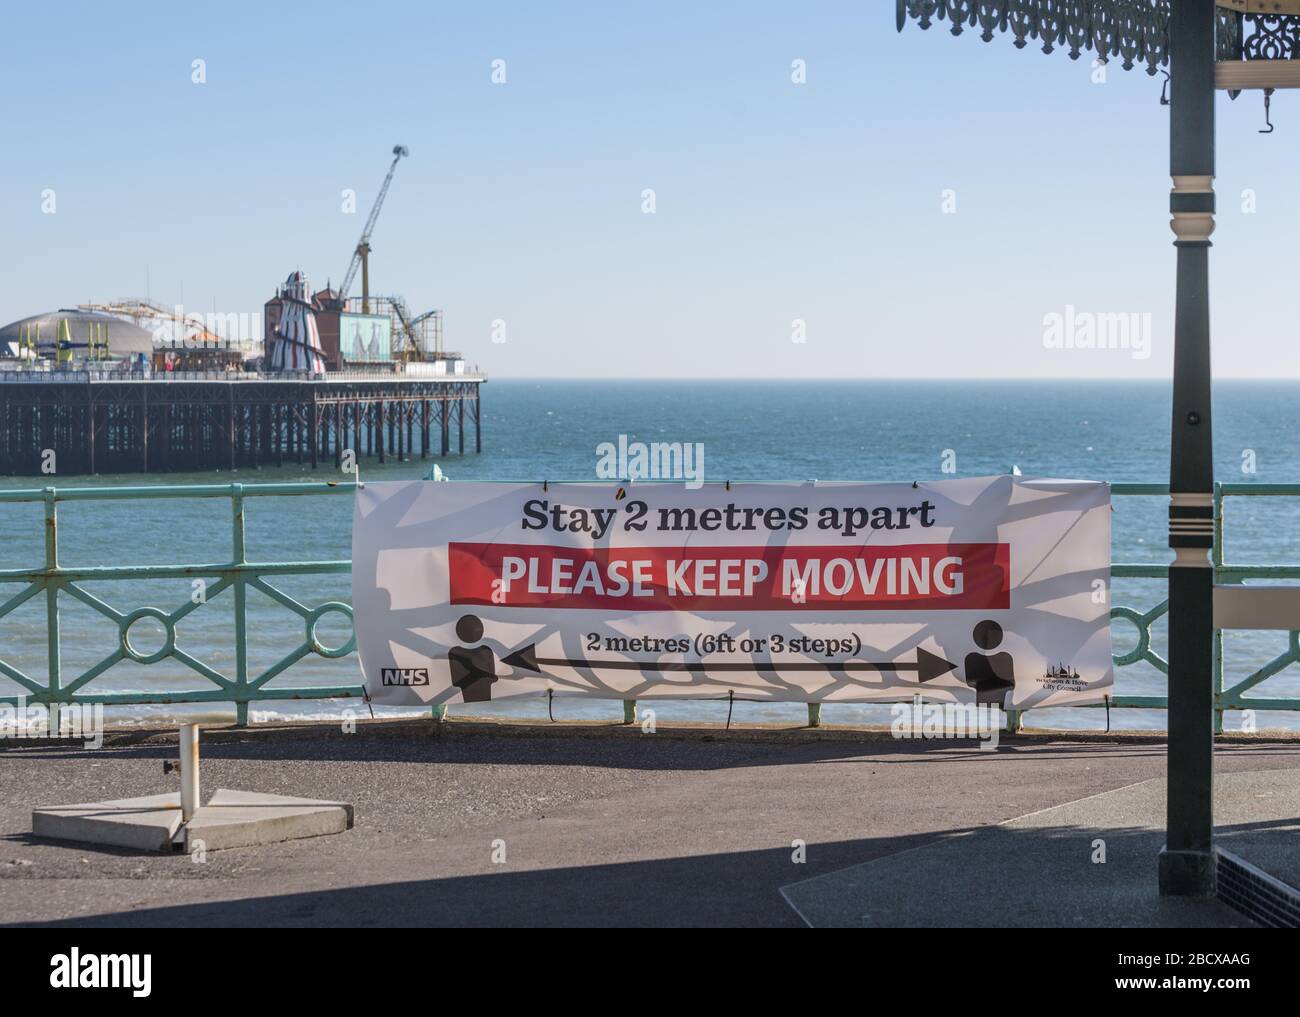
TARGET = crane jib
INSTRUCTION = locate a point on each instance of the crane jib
(363, 244)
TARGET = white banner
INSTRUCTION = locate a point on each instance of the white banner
(990, 590)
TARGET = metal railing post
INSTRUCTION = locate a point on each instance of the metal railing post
(241, 605)
(629, 711)
(53, 648)
(814, 714)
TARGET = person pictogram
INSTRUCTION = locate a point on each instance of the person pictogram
(991, 675)
(473, 668)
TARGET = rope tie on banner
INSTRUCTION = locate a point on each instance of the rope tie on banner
(1107, 698)
(728, 485)
(546, 486)
(550, 698)
(731, 702)
(365, 694)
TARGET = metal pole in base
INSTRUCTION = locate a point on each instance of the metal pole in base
(189, 770)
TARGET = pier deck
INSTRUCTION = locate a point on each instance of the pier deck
(84, 422)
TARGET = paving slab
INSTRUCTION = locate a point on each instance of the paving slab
(1085, 863)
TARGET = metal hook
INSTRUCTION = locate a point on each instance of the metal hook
(1164, 90)
(1268, 102)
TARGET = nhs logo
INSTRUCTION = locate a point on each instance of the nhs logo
(405, 676)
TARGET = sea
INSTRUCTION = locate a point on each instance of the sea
(775, 430)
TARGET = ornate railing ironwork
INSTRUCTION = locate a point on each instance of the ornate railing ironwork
(53, 581)
(1135, 32)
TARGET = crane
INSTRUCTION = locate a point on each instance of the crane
(361, 256)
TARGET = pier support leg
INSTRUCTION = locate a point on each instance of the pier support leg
(92, 411)
(460, 422)
(379, 429)
(338, 436)
(445, 406)
(478, 418)
(313, 430)
(424, 428)
(231, 442)
(1187, 861)
(144, 435)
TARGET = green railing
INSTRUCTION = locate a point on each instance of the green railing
(1233, 698)
(239, 574)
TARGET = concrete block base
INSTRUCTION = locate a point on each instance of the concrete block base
(1187, 873)
(230, 819)
(144, 824)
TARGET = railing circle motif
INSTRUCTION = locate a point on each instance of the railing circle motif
(169, 635)
(315, 615)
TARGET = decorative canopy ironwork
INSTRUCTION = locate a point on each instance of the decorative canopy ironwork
(1136, 32)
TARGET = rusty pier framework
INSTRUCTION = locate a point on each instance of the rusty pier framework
(85, 422)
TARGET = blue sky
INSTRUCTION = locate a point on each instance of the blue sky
(522, 201)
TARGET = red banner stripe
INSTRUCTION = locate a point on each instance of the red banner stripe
(924, 577)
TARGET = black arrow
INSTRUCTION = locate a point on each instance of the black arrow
(928, 665)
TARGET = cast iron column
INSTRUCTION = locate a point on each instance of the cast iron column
(1187, 861)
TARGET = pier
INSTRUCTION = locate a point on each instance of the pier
(90, 421)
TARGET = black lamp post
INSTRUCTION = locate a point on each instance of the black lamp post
(1187, 860)
(1232, 45)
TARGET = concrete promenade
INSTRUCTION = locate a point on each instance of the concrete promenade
(607, 826)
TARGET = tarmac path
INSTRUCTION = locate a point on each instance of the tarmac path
(599, 825)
